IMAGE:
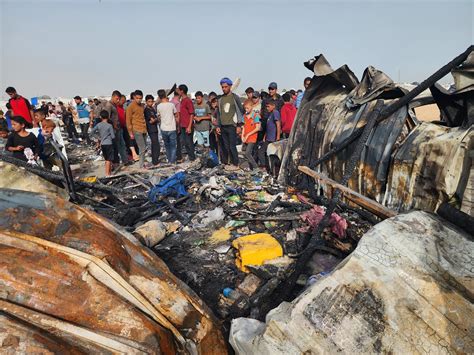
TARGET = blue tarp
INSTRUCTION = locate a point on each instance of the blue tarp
(172, 186)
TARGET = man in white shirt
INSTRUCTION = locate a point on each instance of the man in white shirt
(169, 121)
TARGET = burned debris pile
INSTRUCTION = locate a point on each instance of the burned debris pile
(193, 235)
(195, 220)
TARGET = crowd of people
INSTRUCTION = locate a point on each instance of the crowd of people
(212, 128)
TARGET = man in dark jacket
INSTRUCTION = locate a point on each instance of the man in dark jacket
(151, 119)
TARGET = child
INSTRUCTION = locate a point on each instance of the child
(272, 131)
(3, 138)
(213, 137)
(106, 133)
(288, 113)
(39, 118)
(49, 155)
(202, 122)
(3, 122)
(250, 132)
(20, 141)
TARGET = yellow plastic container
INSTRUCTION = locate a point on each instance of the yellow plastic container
(255, 249)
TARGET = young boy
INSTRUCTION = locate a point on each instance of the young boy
(288, 113)
(49, 155)
(39, 117)
(272, 131)
(3, 138)
(106, 134)
(250, 132)
(202, 122)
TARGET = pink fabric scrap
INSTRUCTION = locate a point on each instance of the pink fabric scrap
(314, 216)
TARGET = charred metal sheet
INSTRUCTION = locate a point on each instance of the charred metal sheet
(336, 105)
(71, 267)
(427, 167)
(330, 112)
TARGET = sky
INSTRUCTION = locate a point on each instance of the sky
(91, 47)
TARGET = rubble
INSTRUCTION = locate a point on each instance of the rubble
(128, 298)
(246, 241)
(407, 288)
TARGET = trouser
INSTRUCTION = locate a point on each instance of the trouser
(71, 128)
(213, 141)
(155, 147)
(119, 147)
(262, 154)
(140, 138)
(249, 147)
(169, 139)
(186, 140)
(285, 135)
(229, 145)
(179, 148)
(85, 132)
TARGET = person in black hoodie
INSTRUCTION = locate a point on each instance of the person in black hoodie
(151, 119)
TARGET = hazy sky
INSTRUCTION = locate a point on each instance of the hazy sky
(64, 48)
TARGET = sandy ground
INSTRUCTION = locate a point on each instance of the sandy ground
(428, 113)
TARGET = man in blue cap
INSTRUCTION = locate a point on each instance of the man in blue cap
(229, 117)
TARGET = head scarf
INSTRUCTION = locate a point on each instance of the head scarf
(226, 81)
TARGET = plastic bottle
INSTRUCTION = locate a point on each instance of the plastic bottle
(231, 293)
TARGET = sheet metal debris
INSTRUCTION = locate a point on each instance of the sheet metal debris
(81, 280)
(405, 164)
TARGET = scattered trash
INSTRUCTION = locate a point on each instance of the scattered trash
(151, 232)
(220, 235)
(172, 186)
(315, 215)
(214, 215)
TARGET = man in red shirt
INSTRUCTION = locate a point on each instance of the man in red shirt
(20, 105)
(186, 119)
(288, 113)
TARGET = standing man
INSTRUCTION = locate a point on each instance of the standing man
(151, 120)
(229, 116)
(306, 83)
(96, 108)
(118, 142)
(69, 123)
(84, 115)
(136, 124)
(177, 103)
(287, 115)
(19, 105)
(186, 119)
(169, 121)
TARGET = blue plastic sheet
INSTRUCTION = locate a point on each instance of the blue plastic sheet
(172, 186)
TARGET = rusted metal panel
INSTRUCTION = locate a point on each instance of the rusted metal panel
(400, 172)
(70, 264)
(428, 166)
(330, 114)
